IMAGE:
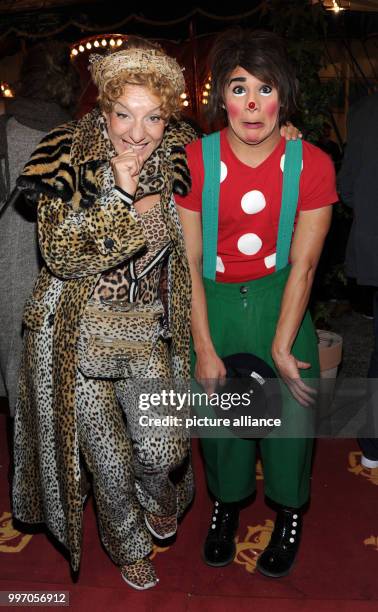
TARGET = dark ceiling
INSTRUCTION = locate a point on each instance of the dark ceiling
(18, 6)
(72, 20)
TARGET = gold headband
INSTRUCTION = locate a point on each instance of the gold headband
(103, 68)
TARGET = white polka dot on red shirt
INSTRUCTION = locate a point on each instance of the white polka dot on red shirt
(249, 244)
(223, 171)
(282, 162)
(220, 265)
(253, 202)
(270, 260)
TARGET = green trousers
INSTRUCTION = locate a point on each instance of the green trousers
(243, 319)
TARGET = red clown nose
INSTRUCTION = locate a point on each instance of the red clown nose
(251, 105)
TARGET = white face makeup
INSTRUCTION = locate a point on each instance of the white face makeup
(252, 108)
(136, 123)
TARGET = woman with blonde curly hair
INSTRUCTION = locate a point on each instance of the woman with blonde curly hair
(100, 319)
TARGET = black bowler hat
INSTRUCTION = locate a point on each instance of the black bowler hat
(252, 378)
(246, 365)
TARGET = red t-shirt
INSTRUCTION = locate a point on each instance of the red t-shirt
(250, 201)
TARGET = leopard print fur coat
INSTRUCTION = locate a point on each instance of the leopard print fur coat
(84, 229)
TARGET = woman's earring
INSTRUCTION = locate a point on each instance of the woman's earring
(223, 106)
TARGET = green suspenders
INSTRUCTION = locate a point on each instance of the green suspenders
(210, 201)
(289, 202)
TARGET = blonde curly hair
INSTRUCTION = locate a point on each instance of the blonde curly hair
(142, 63)
(155, 83)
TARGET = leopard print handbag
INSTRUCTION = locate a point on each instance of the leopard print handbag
(116, 340)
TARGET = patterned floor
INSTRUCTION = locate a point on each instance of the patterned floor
(336, 568)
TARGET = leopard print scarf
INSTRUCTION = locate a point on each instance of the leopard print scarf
(44, 174)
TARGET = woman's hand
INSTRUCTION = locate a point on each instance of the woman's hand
(290, 132)
(126, 168)
(288, 367)
(209, 371)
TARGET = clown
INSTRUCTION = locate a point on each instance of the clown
(257, 299)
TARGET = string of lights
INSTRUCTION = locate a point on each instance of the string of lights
(106, 43)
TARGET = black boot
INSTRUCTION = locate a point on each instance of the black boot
(219, 548)
(278, 557)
